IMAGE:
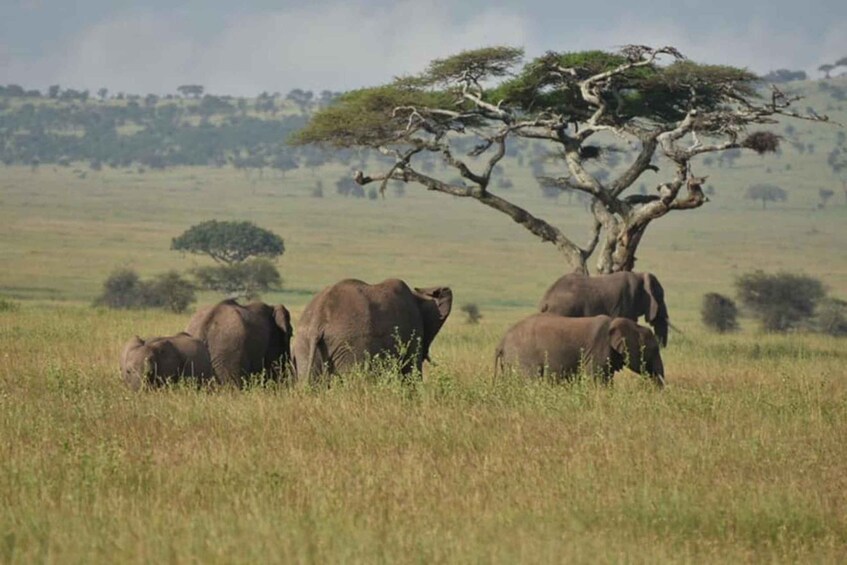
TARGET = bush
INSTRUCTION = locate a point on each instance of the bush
(472, 312)
(121, 290)
(831, 318)
(124, 290)
(7, 305)
(170, 291)
(246, 279)
(781, 301)
(719, 313)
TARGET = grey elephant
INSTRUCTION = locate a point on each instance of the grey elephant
(156, 361)
(244, 340)
(352, 321)
(622, 294)
(552, 345)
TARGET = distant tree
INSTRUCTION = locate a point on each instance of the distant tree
(302, 98)
(53, 91)
(719, 313)
(472, 312)
(780, 301)
(229, 242)
(192, 90)
(784, 75)
(826, 69)
(766, 193)
(102, 93)
(842, 62)
(825, 194)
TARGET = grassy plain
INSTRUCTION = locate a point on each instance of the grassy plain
(741, 458)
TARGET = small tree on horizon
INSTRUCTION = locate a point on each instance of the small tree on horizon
(243, 252)
(229, 242)
(766, 193)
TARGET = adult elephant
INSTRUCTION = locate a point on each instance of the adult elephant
(622, 294)
(159, 360)
(559, 347)
(244, 340)
(352, 321)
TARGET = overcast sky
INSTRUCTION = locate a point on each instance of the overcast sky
(243, 47)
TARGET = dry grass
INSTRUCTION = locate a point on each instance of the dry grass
(741, 458)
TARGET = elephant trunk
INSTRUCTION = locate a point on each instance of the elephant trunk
(660, 328)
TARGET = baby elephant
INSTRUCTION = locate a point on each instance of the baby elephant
(159, 360)
(559, 347)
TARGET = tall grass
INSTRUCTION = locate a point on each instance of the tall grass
(740, 458)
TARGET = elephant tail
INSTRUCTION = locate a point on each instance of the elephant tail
(498, 363)
(313, 348)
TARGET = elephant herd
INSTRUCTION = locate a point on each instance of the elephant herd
(584, 324)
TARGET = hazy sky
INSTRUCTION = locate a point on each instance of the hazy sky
(244, 47)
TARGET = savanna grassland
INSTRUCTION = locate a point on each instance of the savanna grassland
(741, 458)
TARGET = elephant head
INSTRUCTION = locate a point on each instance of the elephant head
(149, 363)
(636, 347)
(435, 304)
(654, 307)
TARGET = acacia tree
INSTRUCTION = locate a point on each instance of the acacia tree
(242, 250)
(573, 101)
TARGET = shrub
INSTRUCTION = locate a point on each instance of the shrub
(121, 290)
(170, 291)
(472, 312)
(780, 301)
(831, 317)
(719, 313)
(124, 290)
(7, 305)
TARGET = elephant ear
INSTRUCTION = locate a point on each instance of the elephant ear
(658, 311)
(282, 317)
(617, 335)
(443, 297)
(625, 339)
(165, 354)
(435, 304)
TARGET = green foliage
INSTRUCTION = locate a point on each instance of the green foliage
(719, 313)
(229, 242)
(663, 94)
(124, 290)
(248, 278)
(476, 64)
(366, 117)
(171, 292)
(780, 301)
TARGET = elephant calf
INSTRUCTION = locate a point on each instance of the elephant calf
(553, 345)
(352, 320)
(159, 360)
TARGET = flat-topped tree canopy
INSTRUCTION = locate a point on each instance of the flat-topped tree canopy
(652, 99)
